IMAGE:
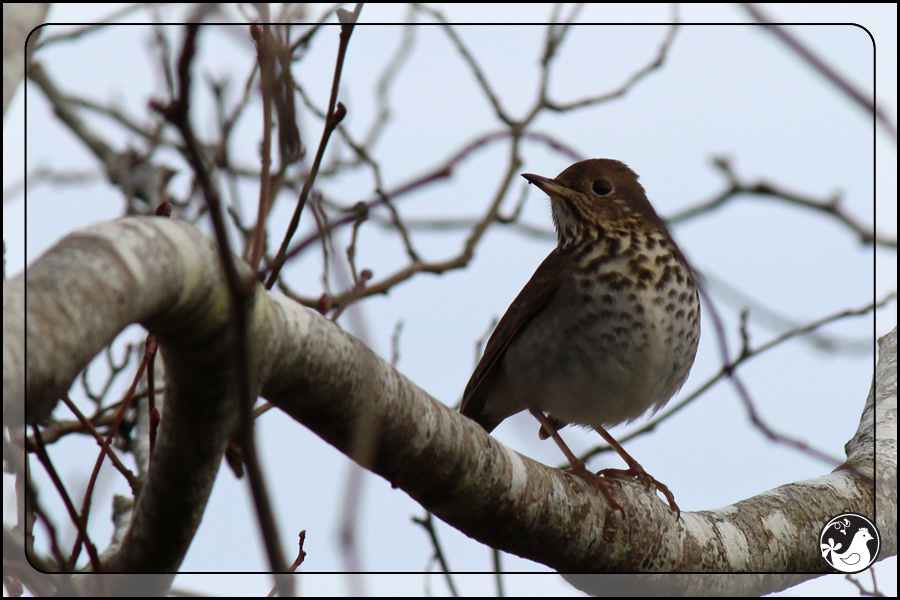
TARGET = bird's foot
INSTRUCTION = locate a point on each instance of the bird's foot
(636, 471)
(598, 482)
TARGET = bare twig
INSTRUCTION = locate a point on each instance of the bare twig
(805, 53)
(80, 524)
(428, 525)
(336, 113)
(626, 87)
(831, 206)
(265, 49)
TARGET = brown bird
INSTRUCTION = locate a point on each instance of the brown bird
(607, 328)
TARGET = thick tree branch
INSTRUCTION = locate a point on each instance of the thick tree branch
(165, 274)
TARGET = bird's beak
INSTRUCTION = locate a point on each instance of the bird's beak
(546, 185)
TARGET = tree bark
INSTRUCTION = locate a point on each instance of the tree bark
(165, 275)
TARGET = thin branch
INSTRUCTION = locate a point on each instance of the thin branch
(840, 82)
(88, 29)
(470, 60)
(265, 49)
(428, 525)
(80, 524)
(134, 482)
(104, 449)
(831, 206)
(623, 89)
(336, 113)
(457, 262)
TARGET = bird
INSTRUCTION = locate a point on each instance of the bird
(607, 328)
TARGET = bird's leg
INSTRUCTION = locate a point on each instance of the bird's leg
(557, 425)
(578, 467)
(635, 470)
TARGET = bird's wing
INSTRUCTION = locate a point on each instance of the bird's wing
(530, 301)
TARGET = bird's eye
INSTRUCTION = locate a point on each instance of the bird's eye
(601, 187)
